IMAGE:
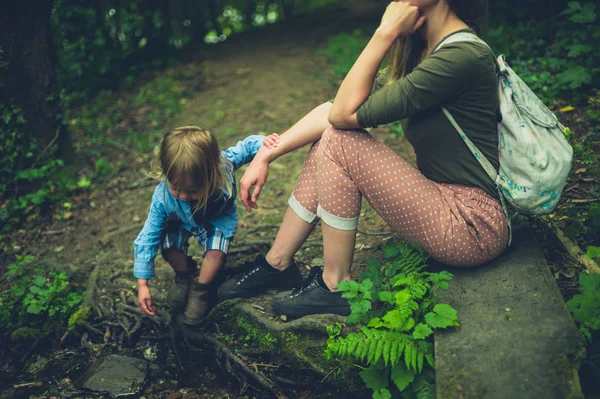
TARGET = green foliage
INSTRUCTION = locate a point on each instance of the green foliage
(585, 306)
(555, 59)
(395, 307)
(77, 318)
(99, 45)
(25, 334)
(343, 50)
(36, 298)
(264, 340)
(27, 184)
(593, 252)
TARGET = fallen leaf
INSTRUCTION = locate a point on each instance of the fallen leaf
(58, 249)
(568, 108)
(507, 309)
(283, 317)
(580, 170)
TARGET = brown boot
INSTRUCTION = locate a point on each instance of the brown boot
(197, 306)
(177, 294)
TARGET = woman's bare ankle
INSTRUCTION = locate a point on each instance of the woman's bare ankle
(333, 279)
(277, 261)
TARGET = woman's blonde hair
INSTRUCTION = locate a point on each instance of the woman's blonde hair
(190, 160)
(407, 51)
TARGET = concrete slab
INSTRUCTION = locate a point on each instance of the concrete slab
(516, 339)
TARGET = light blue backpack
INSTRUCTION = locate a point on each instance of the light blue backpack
(535, 156)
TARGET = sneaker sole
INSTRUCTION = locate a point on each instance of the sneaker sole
(280, 287)
(295, 313)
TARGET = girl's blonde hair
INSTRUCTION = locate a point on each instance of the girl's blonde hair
(190, 160)
(407, 51)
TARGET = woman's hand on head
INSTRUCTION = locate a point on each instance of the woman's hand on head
(253, 181)
(400, 19)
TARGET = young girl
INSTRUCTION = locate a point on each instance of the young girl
(196, 197)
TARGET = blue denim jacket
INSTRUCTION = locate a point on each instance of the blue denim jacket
(165, 207)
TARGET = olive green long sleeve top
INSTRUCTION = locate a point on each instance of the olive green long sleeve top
(462, 77)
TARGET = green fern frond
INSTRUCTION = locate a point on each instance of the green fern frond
(394, 352)
(371, 345)
(387, 349)
(408, 350)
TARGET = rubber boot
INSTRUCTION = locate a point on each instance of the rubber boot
(196, 309)
(177, 294)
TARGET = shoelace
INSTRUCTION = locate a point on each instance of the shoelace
(311, 276)
(246, 274)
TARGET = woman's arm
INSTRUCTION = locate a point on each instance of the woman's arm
(307, 130)
(400, 18)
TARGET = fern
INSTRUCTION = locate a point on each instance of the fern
(371, 345)
(396, 306)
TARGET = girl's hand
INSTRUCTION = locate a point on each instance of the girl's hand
(145, 298)
(400, 19)
(271, 141)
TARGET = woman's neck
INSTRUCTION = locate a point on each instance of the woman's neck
(440, 21)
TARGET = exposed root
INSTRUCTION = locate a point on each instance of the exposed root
(591, 267)
(229, 361)
(316, 324)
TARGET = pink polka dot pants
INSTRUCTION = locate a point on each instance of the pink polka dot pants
(457, 225)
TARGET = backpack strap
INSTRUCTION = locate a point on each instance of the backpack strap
(483, 161)
(470, 37)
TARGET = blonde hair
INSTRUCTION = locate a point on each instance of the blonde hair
(407, 51)
(404, 56)
(190, 160)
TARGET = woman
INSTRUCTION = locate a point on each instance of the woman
(448, 205)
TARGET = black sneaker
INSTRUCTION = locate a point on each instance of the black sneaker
(257, 278)
(310, 298)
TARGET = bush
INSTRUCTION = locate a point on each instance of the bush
(40, 300)
(556, 59)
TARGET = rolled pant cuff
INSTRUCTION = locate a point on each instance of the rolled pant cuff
(302, 212)
(337, 222)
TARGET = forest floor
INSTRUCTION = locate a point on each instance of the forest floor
(258, 82)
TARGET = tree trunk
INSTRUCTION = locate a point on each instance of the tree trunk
(25, 38)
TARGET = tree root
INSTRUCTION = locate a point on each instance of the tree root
(90, 291)
(315, 324)
(229, 361)
(591, 267)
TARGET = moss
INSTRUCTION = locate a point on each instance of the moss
(25, 334)
(302, 349)
(565, 377)
(78, 317)
(264, 340)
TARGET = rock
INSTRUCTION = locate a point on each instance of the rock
(117, 376)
